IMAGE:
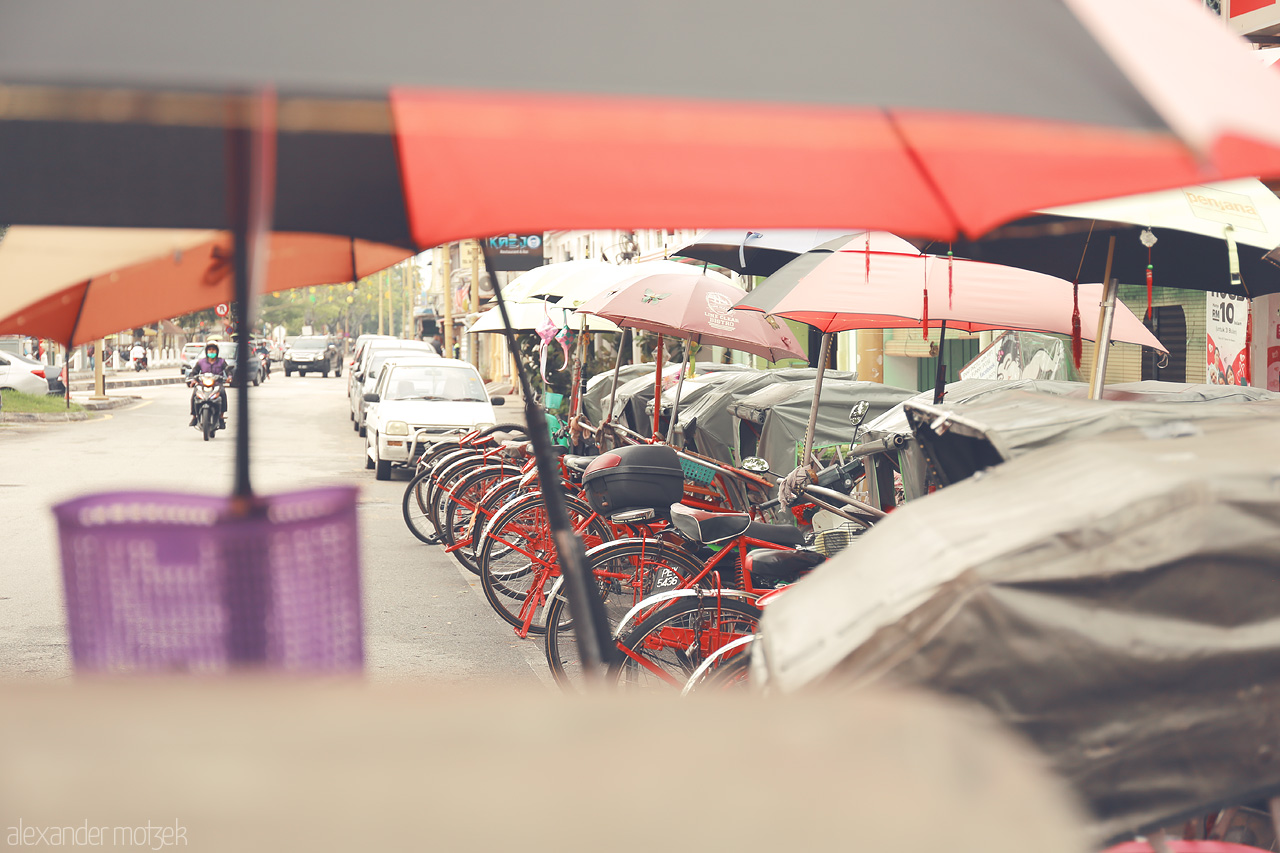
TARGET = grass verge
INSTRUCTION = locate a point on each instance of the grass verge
(16, 401)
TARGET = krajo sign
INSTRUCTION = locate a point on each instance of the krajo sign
(513, 252)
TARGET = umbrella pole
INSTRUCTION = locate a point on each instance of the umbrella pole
(675, 407)
(591, 626)
(657, 386)
(940, 378)
(251, 158)
(617, 369)
(817, 392)
(1103, 337)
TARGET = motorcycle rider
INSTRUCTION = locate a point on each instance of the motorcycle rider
(217, 365)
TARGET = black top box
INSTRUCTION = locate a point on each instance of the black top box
(643, 476)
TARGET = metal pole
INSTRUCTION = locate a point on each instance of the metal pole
(475, 298)
(817, 392)
(591, 625)
(657, 386)
(446, 271)
(675, 406)
(617, 369)
(1104, 338)
(940, 377)
(1098, 378)
(252, 159)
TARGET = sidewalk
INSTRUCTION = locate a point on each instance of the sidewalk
(82, 380)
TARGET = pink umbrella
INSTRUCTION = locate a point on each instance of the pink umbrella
(697, 309)
(851, 289)
(906, 290)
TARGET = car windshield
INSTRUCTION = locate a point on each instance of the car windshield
(310, 343)
(381, 357)
(428, 382)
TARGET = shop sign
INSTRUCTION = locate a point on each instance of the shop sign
(1251, 16)
(1226, 322)
(513, 252)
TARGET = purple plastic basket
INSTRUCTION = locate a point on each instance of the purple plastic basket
(160, 582)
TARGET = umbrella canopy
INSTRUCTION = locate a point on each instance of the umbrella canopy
(1189, 224)
(545, 281)
(529, 316)
(751, 252)
(840, 123)
(697, 308)
(1245, 208)
(74, 289)
(838, 294)
(584, 280)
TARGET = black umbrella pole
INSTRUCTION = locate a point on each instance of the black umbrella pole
(238, 148)
(591, 626)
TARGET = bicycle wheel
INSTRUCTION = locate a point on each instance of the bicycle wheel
(466, 501)
(664, 649)
(442, 497)
(413, 508)
(441, 477)
(517, 557)
(728, 668)
(626, 571)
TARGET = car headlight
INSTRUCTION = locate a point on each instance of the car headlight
(397, 428)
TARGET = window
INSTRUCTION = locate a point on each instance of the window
(1169, 324)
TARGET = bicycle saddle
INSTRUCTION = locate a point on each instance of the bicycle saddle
(707, 528)
(578, 464)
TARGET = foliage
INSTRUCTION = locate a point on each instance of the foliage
(16, 401)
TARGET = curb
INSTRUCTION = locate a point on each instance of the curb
(130, 383)
(92, 407)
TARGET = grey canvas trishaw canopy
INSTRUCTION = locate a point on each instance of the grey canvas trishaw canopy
(962, 438)
(777, 417)
(1115, 598)
(631, 405)
(596, 398)
(716, 431)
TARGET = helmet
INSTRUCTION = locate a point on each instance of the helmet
(211, 349)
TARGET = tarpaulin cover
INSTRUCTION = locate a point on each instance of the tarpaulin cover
(782, 413)
(596, 396)
(717, 431)
(1114, 598)
(630, 407)
(894, 422)
(1020, 421)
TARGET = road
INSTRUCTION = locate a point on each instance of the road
(425, 617)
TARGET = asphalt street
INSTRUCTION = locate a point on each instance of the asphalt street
(425, 616)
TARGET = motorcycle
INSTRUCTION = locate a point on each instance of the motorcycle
(209, 398)
(140, 364)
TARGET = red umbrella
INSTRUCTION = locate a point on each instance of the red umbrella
(191, 276)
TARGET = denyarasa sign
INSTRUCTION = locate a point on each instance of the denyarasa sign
(1226, 319)
(513, 252)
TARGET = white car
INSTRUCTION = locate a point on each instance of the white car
(415, 404)
(24, 374)
(366, 376)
